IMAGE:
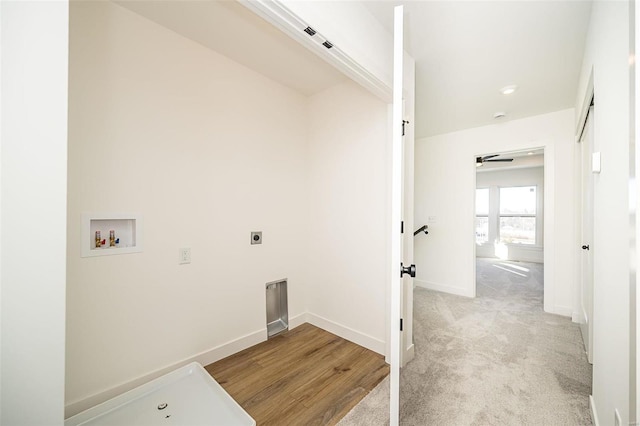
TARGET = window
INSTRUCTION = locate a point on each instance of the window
(518, 206)
(482, 215)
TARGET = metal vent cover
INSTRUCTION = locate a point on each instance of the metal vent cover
(277, 307)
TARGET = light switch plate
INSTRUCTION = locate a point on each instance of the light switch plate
(595, 162)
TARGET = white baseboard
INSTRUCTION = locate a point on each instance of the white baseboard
(347, 333)
(562, 310)
(297, 320)
(594, 413)
(204, 358)
(409, 354)
(444, 288)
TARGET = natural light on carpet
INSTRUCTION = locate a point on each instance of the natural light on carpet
(519, 268)
(509, 270)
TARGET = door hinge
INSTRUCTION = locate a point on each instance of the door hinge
(400, 324)
(403, 124)
(402, 227)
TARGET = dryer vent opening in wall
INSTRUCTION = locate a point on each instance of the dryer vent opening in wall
(277, 309)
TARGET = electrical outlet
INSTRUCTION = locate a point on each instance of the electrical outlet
(256, 237)
(184, 256)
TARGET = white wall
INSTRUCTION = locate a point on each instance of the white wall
(206, 151)
(445, 189)
(494, 180)
(348, 199)
(34, 50)
(606, 53)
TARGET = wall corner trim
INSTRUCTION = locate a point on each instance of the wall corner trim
(576, 317)
(594, 413)
(298, 320)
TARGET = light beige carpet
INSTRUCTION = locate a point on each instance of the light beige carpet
(497, 359)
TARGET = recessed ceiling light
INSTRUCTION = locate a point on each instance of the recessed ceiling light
(529, 153)
(499, 114)
(507, 90)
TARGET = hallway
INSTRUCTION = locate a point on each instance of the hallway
(497, 359)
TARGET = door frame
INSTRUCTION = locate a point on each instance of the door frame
(548, 206)
(496, 215)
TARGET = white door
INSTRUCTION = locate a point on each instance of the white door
(397, 177)
(586, 293)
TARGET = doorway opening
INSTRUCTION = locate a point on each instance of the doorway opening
(509, 226)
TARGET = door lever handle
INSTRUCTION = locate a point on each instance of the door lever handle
(411, 270)
(585, 247)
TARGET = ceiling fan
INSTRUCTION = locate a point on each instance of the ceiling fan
(491, 158)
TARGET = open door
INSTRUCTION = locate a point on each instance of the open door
(398, 269)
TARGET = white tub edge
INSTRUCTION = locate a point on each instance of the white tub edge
(204, 358)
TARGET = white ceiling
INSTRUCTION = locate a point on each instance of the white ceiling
(465, 51)
(232, 30)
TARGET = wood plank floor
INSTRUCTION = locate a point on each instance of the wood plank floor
(305, 376)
